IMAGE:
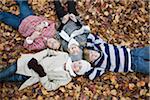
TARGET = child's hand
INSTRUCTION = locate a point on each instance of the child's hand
(35, 35)
(41, 26)
(73, 17)
(29, 40)
(65, 18)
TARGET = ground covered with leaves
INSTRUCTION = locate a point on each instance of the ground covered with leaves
(121, 22)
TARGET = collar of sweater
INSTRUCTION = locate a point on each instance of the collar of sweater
(75, 33)
(69, 68)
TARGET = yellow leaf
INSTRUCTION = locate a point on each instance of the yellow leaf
(41, 2)
(24, 97)
(117, 18)
(113, 92)
(44, 92)
(40, 98)
(70, 86)
(143, 92)
(62, 89)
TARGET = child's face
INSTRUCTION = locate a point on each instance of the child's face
(93, 55)
(53, 43)
(76, 66)
(74, 49)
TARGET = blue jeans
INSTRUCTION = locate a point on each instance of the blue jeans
(140, 60)
(13, 20)
(9, 75)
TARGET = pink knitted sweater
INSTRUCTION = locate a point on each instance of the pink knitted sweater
(27, 27)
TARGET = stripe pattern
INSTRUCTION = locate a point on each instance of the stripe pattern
(113, 58)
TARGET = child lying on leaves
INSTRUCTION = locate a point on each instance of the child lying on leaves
(107, 57)
(52, 68)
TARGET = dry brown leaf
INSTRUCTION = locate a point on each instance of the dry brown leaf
(143, 92)
(24, 97)
(113, 79)
(40, 98)
(131, 86)
(113, 92)
(141, 83)
(44, 91)
(2, 46)
(62, 89)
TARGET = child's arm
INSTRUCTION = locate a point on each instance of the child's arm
(53, 52)
(37, 44)
(49, 83)
(94, 72)
(94, 39)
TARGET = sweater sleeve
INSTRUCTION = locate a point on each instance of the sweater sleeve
(38, 44)
(93, 42)
(53, 84)
(94, 39)
(53, 53)
(40, 55)
(49, 85)
(94, 73)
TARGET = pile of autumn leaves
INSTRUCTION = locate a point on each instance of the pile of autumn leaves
(123, 22)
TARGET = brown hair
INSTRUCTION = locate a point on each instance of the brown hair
(86, 54)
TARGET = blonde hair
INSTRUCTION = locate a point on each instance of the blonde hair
(86, 54)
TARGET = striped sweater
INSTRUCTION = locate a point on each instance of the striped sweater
(113, 58)
(27, 27)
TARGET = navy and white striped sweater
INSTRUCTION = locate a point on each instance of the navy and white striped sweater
(113, 58)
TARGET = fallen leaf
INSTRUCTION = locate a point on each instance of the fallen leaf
(2, 46)
(113, 92)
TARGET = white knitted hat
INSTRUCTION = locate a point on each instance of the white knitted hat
(86, 66)
(72, 41)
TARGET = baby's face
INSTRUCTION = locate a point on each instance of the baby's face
(93, 55)
(53, 44)
(74, 49)
(76, 66)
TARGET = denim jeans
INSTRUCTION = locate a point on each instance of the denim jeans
(140, 60)
(13, 20)
(9, 75)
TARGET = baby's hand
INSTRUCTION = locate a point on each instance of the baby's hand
(29, 40)
(35, 35)
(41, 26)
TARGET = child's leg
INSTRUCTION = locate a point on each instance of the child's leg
(138, 64)
(141, 59)
(16, 78)
(72, 10)
(142, 52)
(10, 19)
(25, 10)
(8, 72)
(72, 7)
(59, 10)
